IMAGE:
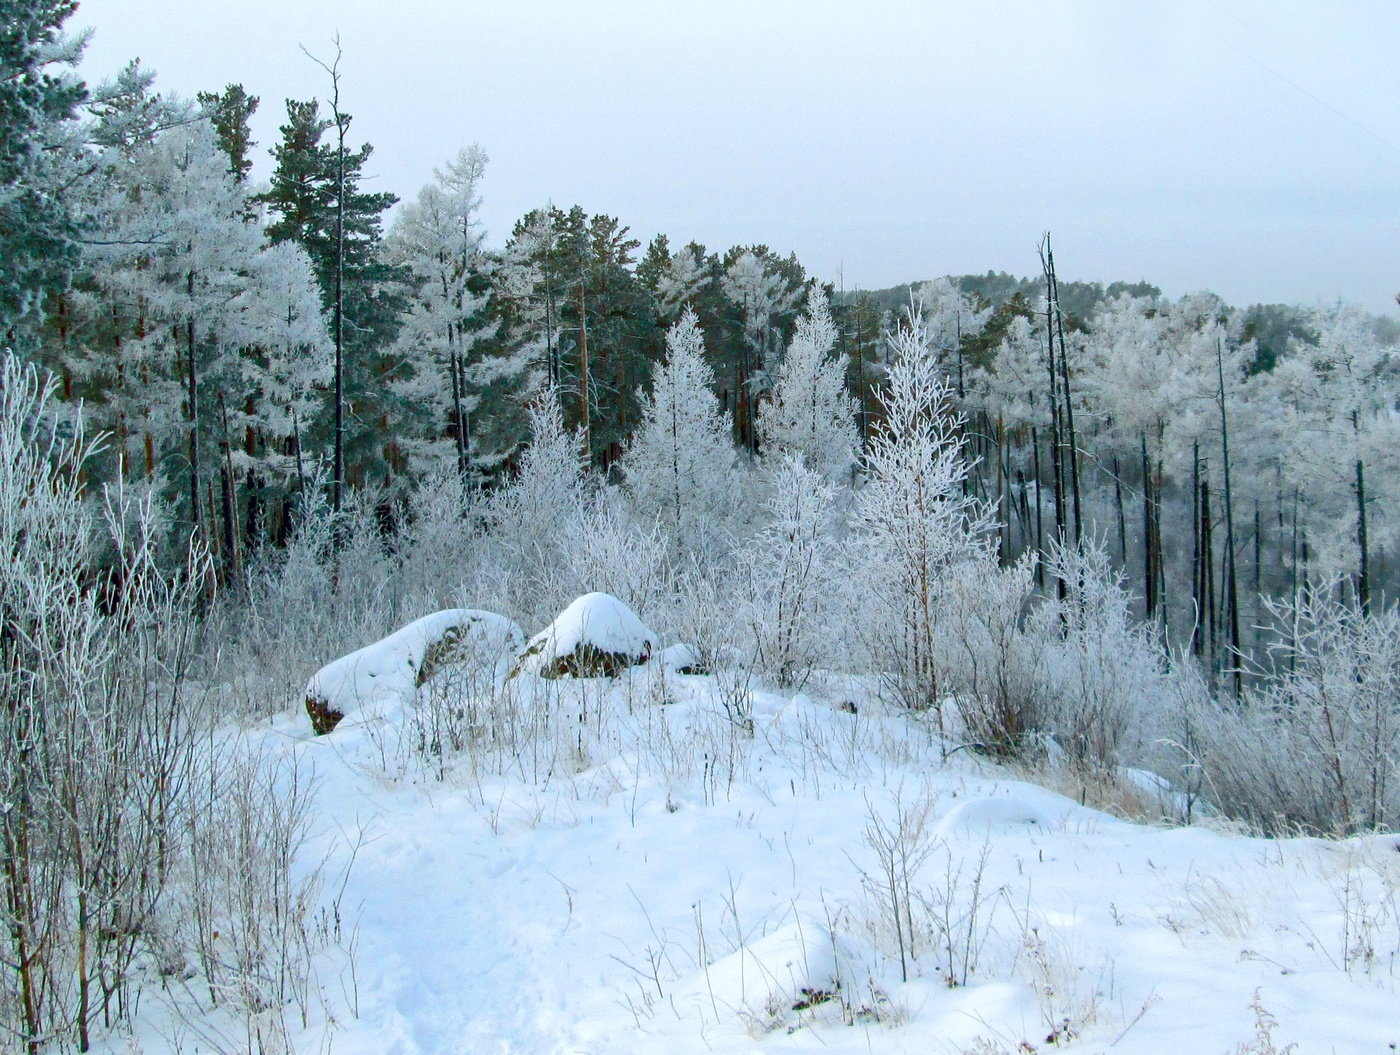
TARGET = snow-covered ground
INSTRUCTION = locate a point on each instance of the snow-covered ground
(626, 871)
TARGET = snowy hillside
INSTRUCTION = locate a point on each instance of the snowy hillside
(615, 867)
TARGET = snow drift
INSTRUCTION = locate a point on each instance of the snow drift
(391, 670)
(596, 636)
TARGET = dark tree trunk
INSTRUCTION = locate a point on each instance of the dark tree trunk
(1039, 522)
(1122, 520)
(193, 395)
(1149, 571)
(1197, 603)
(1363, 577)
(583, 383)
(1232, 584)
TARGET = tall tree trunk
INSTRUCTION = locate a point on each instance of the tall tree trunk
(232, 570)
(1209, 611)
(583, 384)
(1004, 529)
(342, 124)
(1259, 581)
(1232, 584)
(1363, 573)
(195, 518)
(1149, 571)
(1122, 520)
(458, 424)
(1196, 533)
(1055, 462)
(1072, 442)
(1039, 522)
(1294, 554)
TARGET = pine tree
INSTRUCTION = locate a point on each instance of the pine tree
(316, 197)
(38, 103)
(573, 294)
(230, 111)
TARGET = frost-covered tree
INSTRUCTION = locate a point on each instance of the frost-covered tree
(187, 334)
(285, 366)
(316, 199)
(679, 468)
(810, 416)
(1337, 433)
(762, 297)
(685, 279)
(916, 520)
(531, 514)
(181, 251)
(760, 292)
(791, 566)
(39, 97)
(443, 377)
(953, 318)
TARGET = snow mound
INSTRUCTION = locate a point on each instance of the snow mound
(797, 967)
(1000, 814)
(680, 659)
(596, 636)
(391, 670)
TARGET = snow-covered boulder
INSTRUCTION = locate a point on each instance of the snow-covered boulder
(596, 636)
(771, 982)
(391, 670)
(681, 659)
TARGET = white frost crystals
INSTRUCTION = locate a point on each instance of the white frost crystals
(596, 635)
(391, 670)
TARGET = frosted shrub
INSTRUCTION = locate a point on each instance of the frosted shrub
(1316, 747)
(303, 605)
(108, 758)
(702, 614)
(915, 521)
(436, 546)
(606, 552)
(995, 655)
(528, 517)
(245, 928)
(788, 570)
(1105, 669)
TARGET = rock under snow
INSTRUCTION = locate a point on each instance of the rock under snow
(1001, 814)
(391, 670)
(681, 659)
(596, 636)
(797, 967)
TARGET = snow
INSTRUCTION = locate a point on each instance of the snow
(387, 672)
(596, 620)
(680, 658)
(1004, 816)
(659, 881)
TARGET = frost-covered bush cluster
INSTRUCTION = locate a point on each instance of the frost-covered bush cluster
(148, 838)
(803, 564)
(142, 838)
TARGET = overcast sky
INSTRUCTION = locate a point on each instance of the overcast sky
(1251, 147)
